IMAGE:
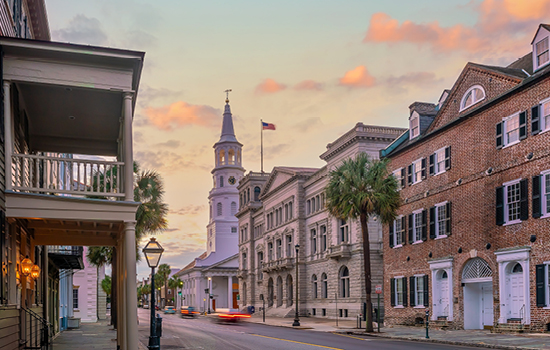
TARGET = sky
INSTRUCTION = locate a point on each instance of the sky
(312, 67)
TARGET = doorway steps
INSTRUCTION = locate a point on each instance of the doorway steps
(441, 324)
(512, 326)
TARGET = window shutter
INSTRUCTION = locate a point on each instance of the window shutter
(535, 120)
(393, 285)
(448, 158)
(522, 125)
(403, 232)
(410, 174)
(411, 238)
(391, 235)
(499, 135)
(432, 164)
(423, 169)
(404, 291)
(432, 223)
(403, 176)
(524, 199)
(448, 211)
(541, 291)
(413, 290)
(426, 291)
(500, 206)
(537, 208)
(424, 225)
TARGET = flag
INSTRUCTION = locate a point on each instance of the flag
(268, 126)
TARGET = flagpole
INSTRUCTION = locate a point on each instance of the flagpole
(262, 144)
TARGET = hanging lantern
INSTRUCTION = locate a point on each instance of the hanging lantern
(35, 272)
(26, 266)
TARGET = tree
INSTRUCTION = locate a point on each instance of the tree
(164, 272)
(361, 188)
(106, 285)
(145, 290)
(174, 283)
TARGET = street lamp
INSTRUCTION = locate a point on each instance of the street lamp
(296, 322)
(153, 251)
(209, 293)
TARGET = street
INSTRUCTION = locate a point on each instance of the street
(204, 333)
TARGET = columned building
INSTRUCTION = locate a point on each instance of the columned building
(209, 281)
(287, 207)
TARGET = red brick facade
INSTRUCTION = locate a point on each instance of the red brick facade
(477, 169)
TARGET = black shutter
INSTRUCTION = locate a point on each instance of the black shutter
(432, 164)
(411, 238)
(392, 283)
(448, 212)
(537, 208)
(426, 291)
(424, 225)
(410, 174)
(391, 235)
(522, 125)
(403, 184)
(500, 206)
(432, 223)
(404, 291)
(403, 230)
(448, 158)
(499, 135)
(423, 170)
(524, 199)
(413, 290)
(541, 290)
(535, 120)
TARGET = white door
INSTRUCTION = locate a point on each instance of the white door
(487, 304)
(443, 302)
(515, 292)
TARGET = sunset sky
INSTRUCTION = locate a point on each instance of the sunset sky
(313, 68)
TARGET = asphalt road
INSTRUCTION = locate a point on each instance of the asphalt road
(204, 333)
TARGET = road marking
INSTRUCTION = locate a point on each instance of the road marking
(350, 336)
(297, 342)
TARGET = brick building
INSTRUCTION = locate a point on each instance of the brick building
(472, 240)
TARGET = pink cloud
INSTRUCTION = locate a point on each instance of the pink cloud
(269, 86)
(182, 114)
(309, 85)
(358, 77)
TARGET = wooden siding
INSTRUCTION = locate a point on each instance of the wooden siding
(6, 22)
(9, 329)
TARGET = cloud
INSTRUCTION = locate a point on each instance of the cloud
(269, 86)
(82, 30)
(189, 210)
(182, 114)
(139, 40)
(165, 160)
(169, 144)
(308, 124)
(148, 94)
(413, 78)
(358, 77)
(170, 230)
(309, 85)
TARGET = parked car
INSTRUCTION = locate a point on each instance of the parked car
(145, 306)
(188, 311)
(169, 310)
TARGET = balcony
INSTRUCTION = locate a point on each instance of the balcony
(279, 264)
(342, 250)
(242, 273)
(66, 256)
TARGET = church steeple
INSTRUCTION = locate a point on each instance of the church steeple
(228, 132)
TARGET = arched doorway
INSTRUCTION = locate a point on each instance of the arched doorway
(270, 292)
(279, 291)
(441, 298)
(515, 292)
(289, 290)
(477, 279)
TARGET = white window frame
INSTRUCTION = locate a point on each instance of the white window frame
(543, 125)
(397, 234)
(397, 174)
(537, 54)
(505, 122)
(544, 191)
(415, 118)
(507, 221)
(346, 229)
(473, 90)
(415, 233)
(417, 303)
(416, 163)
(438, 235)
(437, 153)
(396, 279)
(547, 284)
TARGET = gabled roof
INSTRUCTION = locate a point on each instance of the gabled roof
(524, 63)
(511, 72)
(545, 26)
(292, 171)
(192, 263)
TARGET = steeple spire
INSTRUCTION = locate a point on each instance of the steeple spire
(228, 133)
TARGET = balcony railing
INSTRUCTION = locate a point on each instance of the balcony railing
(67, 256)
(339, 251)
(53, 174)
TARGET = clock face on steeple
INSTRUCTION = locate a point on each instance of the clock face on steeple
(232, 180)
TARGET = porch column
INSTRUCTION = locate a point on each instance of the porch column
(230, 292)
(8, 141)
(121, 330)
(45, 287)
(128, 150)
(131, 285)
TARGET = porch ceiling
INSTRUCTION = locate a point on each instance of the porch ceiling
(72, 120)
(78, 233)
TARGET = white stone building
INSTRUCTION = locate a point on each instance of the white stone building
(214, 272)
(287, 207)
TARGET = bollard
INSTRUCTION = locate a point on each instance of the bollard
(427, 322)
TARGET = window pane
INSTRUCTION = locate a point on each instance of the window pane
(547, 192)
(513, 197)
(418, 226)
(420, 291)
(441, 220)
(512, 129)
(440, 161)
(397, 232)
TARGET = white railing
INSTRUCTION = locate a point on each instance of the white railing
(51, 174)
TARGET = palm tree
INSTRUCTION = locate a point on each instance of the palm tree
(145, 290)
(173, 283)
(361, 188)
(106, 285)
(164, 272)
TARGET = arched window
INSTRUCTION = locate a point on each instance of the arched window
(324, 286)
(220, 209)
(233, 208)
(313, 241)
(344, 282)
(472, 96)
(517, 268)
(245, 262)
(308, 207)
(221, 158)
(289, 291)
(476, 268)
(313, 205)
(257, 193)
(231, 156)
(314, 285)
(221, 181)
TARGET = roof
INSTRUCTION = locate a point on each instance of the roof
(525, 63)
(545, 26)
(512, 72)
(193, 263)
(296, 170)
(423, 108)
(228, 132)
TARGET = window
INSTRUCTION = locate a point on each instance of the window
(257, 193)
(511, 130)
(419, 291)
(260, 265)
(541, 194)
(417, 226)
(398, 291)
(248, 195)
(75, 298)
(512, 202)
(289, 246)
(440, 220)
(543, 284)
(512, 206)
(414, 125)
(220, 209)
(221, 181)
(279, 244)
(245, 262)
(474, 95)
(417, 176)
(290, 211)
(397, 232)
(344, 282)
(440, 161)
(417, 171)
(286, 212)
(344, 231)
(169, 291)
(542, 52)
(233, 230)
(313, 241)
(324, 285)
(270, 251)
(399, 175)
(540, 117)
(313, 209)
(314, 286)
(308, 207)
(323, 238)
(233, 208)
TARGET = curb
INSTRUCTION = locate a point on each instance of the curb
(449, 342)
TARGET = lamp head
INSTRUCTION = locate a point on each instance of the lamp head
(153, 251)
(35, 272)
(26, 266)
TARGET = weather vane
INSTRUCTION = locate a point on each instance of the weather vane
(227, 95)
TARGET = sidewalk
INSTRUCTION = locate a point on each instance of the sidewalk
(311, 323)
(90, 336)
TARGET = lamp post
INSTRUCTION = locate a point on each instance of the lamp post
(296, 322)
(153, 251)
(209, 297)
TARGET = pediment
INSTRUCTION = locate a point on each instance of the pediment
(277, 178)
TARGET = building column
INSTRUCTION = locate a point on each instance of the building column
(131, 285)
(121, 331)
(45, 289)
(8, 140)
(128, 149)
(230, 292)
(70, 311)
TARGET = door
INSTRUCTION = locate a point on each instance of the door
(487, 304)
(235, 303)
(515, 292)
(443, 290)
(214, 304)
(472, 306)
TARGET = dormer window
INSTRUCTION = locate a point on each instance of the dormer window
(474, 95)
(541, 49)
(414, 125)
